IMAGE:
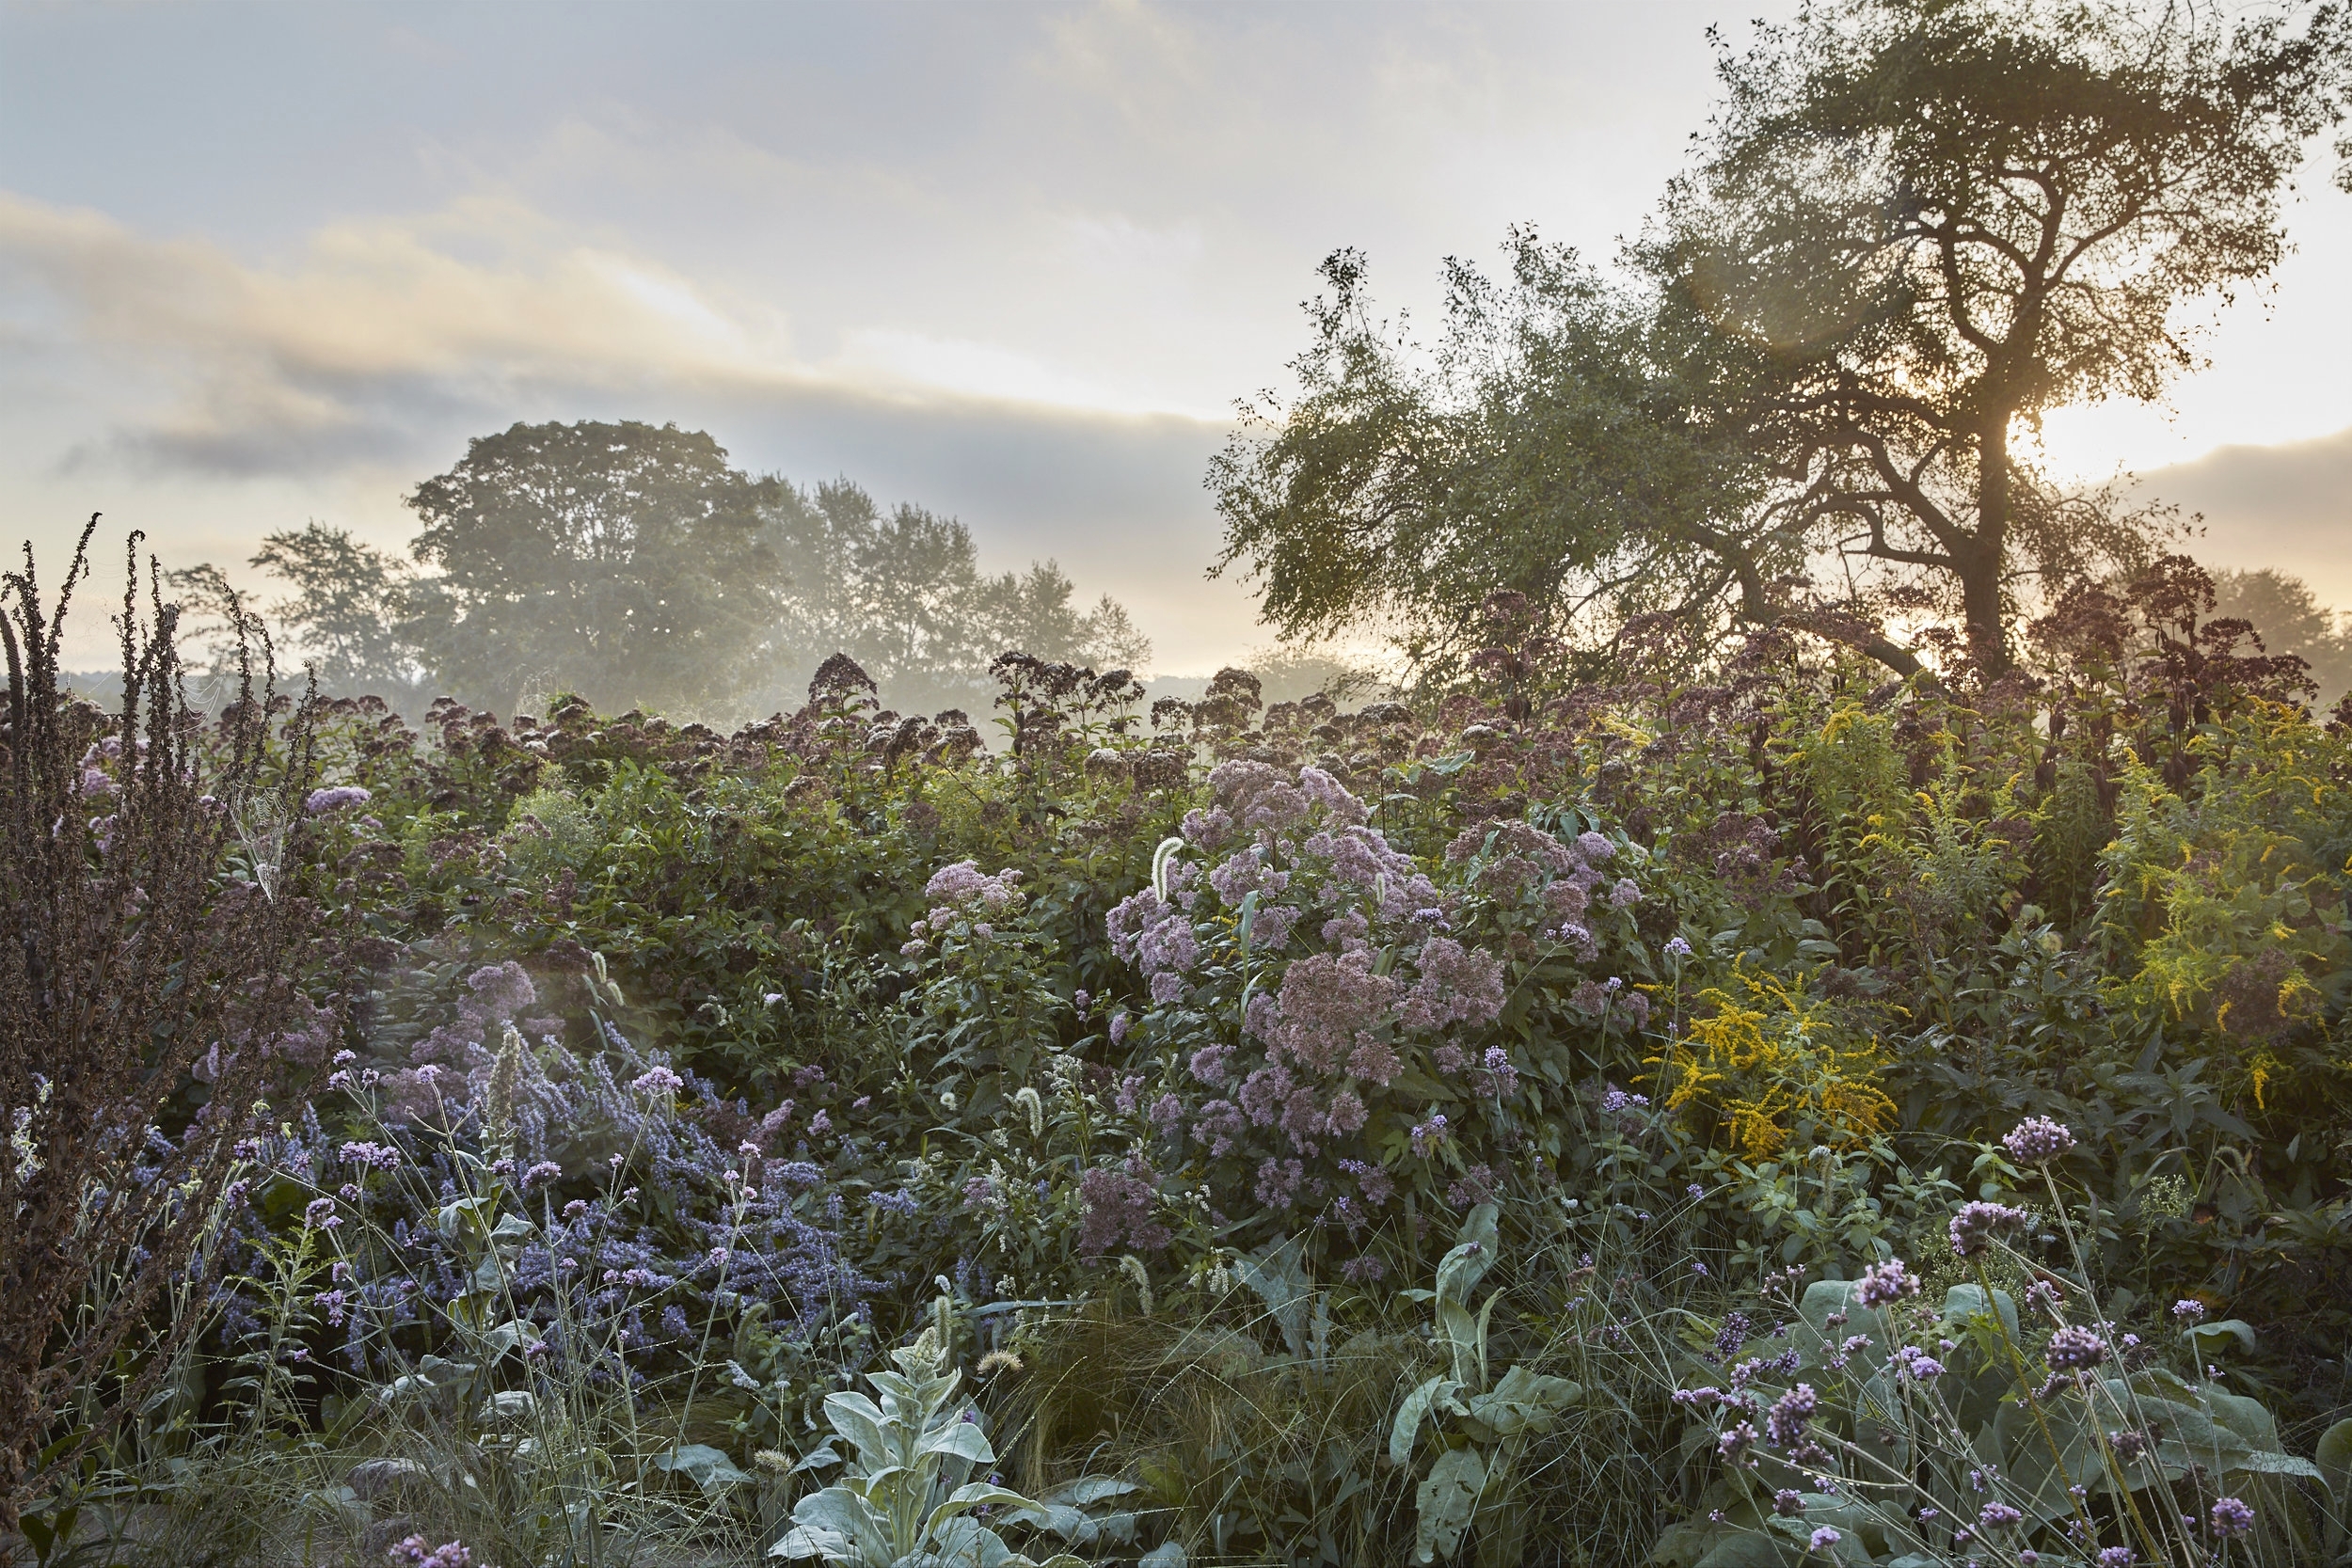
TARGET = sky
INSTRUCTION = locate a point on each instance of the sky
(264, 264)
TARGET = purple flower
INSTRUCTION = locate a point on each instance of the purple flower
(1428, 1134)
(1997, 1516)
(320, 801)
(1787, 1504)
(1784, 1423)
(2115, 1557)
(1915, 1364)
(2075, 1349)
(2189, 1310)
(1824, 1537)
(1883, 1284)
(658, 1080)
(2231, 1517)
(1974, 1226)
(1677, 948)
(1736, 1440)
(2038, 1140)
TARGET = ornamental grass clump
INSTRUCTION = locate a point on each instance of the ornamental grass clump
(150, 969)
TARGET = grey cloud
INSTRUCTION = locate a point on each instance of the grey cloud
(2287, 506)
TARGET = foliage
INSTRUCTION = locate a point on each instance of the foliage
(906, 1497)
(1911, 228)
(158, 914)
(1991, 1425)
(1934, 222)
(344, 604)
(1554, 447)
(687, 1074)
(616, 560)
(629, 564)
(1475, 1464)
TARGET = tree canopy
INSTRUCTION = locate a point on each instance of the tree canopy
(632, 563)
(625, 561)
(1550, 446)
(1912, 230)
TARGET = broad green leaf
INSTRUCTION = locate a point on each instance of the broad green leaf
(810, 1540)
(1472, 1255)
(2208, 1339)
(706, 1466)
(1279, 1279)
(1408, 1418)
(844, 1513)
(857, 1418)
(1089, 1490)
(2334, 1456)
(1523, 1401)
(1447, 1500)
(965, 1439)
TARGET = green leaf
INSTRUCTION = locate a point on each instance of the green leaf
(1408, 1418)
(844, 1513)
(1447, 1500)
(1279, 1279)
(949, 1531)
(856, 1417)
(965, 1439)
(2334, 1456)
(2208, 1337)
(706, 1466)
(1523, 1401)
(1472, 1255)
(810, 1540)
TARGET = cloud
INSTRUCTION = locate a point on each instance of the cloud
(2287, 506)
(374, 350)
(375, 335)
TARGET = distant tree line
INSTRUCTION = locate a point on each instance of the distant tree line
(634, 565)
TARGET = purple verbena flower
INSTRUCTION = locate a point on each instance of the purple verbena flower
(1974, 1226)
(2038, 1140)
(320, 801)
(1883, 1284)
(2231, 1517)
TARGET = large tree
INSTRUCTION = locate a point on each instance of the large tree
(1551, 443)
(901, 591)
(1913, 228)
(1935, 221)
(346, 604)
(628, 563)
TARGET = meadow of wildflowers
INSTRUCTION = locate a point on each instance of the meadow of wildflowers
(1772, 1118)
